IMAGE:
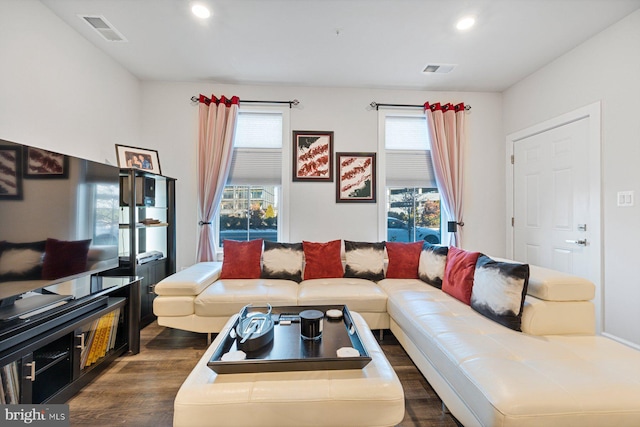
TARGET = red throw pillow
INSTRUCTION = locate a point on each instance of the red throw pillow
(458, 273)
(404, 259)
(241, 259)
(64, 258)
(322, 260)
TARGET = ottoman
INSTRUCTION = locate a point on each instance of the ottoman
(367, 397)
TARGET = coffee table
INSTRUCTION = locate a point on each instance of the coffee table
(370, 396)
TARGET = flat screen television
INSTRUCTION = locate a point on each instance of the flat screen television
(58, 224)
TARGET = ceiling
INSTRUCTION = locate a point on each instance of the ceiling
(343, 43)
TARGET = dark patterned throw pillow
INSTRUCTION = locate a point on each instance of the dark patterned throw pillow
(21, 261)
(282, 261)
(498, 291)
(433, 259)
(364, 260)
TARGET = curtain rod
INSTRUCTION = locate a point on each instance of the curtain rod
(376, 105)
(291, 103)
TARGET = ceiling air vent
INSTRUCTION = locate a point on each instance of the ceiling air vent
(439, 68)
(103, 27)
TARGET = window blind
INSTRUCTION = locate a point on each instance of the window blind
(407, 152)
(257, 153)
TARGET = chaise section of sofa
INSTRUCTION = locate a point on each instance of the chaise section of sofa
(555, 373)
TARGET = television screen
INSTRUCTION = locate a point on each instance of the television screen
(58, 218)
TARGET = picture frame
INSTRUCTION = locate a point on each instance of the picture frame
(356, 177)
(10, 173)
(312, 156)
(138, 158)
(44, 164)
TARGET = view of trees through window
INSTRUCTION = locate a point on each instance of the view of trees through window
(413, 214)
(249, 213)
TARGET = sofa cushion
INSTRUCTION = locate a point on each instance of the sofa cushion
(322, 260)
(282, 261)
(364, 260)
(458, 273)
(241, 259)
(499, 289)
(358, 294)
(227, 296)
(540, 317)
(433, 259)
(403, 259)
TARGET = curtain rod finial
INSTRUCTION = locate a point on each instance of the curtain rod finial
(295, 102)
(194, 99)
(374, 104)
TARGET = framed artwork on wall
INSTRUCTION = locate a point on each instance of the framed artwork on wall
(10, 173)
(312, 154)
(356, 182)
(43, 164)
(138, 158)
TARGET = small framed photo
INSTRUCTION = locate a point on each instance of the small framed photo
(43, 164)
(356, 182)
(312, 154)
(10, 173)
(138, 158)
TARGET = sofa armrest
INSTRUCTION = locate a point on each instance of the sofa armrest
(190, 281)
(551, 285)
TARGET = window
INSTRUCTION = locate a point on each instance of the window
(412, 208)
(250, 205)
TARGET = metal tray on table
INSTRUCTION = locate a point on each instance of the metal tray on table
(289, 352)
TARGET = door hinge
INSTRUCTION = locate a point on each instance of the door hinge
(512, 159)
(512, 221)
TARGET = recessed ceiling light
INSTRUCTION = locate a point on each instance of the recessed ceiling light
(466, 23)
(201, 11)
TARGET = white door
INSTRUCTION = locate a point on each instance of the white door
(553, 223)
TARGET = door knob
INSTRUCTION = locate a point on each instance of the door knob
(582, 242)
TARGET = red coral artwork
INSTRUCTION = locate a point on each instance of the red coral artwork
(43, 164)
(356, 177)
(312, 152)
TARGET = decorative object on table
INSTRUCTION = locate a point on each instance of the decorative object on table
(255, 327)
(312, 154)
(138, 158)
(43, 164)
(356, 177)
(10, 173)
(311, 324)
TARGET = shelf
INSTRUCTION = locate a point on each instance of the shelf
(139, 225)
(49, 359)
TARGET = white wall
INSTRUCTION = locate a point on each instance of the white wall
(58, 91)
(607, 69)
(170, 125)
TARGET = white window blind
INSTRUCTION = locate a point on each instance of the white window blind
(407, 152)
(257, 154)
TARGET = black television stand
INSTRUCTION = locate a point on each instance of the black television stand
(46, 356)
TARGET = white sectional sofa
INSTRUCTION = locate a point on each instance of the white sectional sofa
(555, 372)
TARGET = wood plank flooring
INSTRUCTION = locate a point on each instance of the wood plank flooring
(139, 390)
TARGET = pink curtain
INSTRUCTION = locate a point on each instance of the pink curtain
(217, 125)
(445, 124)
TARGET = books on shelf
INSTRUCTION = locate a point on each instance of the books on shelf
(100, 339)
(10, 384)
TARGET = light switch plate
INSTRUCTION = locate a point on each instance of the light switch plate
(625, 198)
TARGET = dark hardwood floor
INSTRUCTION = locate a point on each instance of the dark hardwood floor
(139, 390)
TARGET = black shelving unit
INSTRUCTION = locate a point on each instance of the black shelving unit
(146, 196)
(41, 357)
